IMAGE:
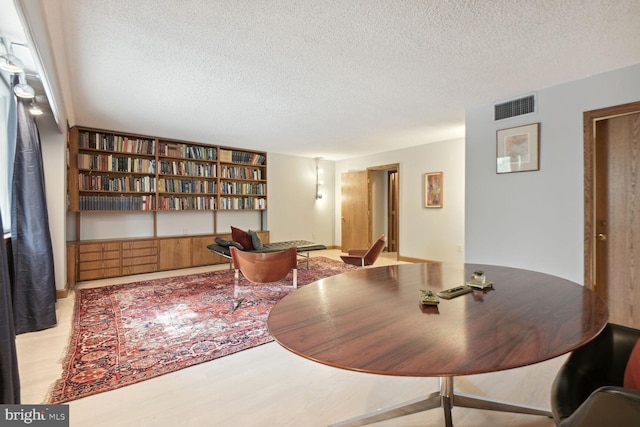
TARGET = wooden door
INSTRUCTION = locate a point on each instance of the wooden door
(614, 227)
(355, 210)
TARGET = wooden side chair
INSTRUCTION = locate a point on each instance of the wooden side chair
(364, 257)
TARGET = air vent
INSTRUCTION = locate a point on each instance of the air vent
(514, 108)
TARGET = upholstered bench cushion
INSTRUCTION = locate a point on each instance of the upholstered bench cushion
(302, 245)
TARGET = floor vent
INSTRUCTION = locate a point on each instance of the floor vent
(514, 108)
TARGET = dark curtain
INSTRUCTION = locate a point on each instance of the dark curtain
(34, 288)
(9, 378)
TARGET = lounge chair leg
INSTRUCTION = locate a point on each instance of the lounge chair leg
(295, 278)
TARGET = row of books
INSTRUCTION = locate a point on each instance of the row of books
(237, 172)
(111, 142)
(233, 156)
(186, 186)
(188, 151)
(96, 182)
(230, 203)
(187, 168)
(116, 203)
(179, 203)
(114, 163)
(227, 187)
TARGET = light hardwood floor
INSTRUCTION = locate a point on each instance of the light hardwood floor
(267, 386)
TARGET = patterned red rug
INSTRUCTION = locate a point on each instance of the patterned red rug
(124, 334)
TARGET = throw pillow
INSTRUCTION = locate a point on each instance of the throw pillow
(255, 240)
(632, 371)
(242, 237)
(221, 241)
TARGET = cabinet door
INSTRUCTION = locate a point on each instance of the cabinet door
(201, 254)
(175, 253)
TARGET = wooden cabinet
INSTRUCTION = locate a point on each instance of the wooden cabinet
(139, 256)
(98, 260)
(200, 255)
(175, 253)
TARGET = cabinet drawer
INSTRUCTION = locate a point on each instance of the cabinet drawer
(111, 272)
(139, 252)
(90, 275)
(100, 273)
(140, 245)
(96, 256)
(98, 247)
(139, 260)
(137, 269)
(94, 265)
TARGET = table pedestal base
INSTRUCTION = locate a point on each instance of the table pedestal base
(445, 399)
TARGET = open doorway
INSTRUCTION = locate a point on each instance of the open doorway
(385, 203)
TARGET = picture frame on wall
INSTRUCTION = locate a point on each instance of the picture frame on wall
(517, 149)
(433, 189)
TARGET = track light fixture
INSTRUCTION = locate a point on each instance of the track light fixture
(8, 61)
(318, 178)
(22, 89)
(35, 109)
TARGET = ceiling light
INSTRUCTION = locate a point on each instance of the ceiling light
(9, 62)
(22, 89)
(35, 110)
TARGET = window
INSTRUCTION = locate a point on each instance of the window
(5, 199)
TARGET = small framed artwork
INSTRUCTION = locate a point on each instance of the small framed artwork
(517, 149)
(433, 189)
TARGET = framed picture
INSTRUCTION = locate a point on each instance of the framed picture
(517, 149)
(433, 189)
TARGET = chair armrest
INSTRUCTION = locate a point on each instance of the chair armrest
(607, 406)
(357, 252)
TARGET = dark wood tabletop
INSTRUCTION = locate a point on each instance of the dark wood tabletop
(371, 320)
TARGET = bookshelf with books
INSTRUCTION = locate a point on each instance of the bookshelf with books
(120, 175)
(187, 176)
(111, 172)
(243, 181)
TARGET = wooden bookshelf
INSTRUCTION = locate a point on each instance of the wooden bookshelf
(187, 176)
(243, 182)
(114, 171)
(111, 172)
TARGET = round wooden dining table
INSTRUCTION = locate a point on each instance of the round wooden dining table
(371, 320)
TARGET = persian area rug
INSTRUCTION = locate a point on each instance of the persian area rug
(124, 334)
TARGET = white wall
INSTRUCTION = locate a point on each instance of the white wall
(293, 212)
(534, 220)
(53, 145)
(425, 233)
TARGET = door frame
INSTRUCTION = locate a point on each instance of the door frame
(396, 167)
(590, 118)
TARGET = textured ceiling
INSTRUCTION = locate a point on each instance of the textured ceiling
(326, 78)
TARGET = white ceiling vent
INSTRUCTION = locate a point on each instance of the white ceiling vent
(515, 108)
